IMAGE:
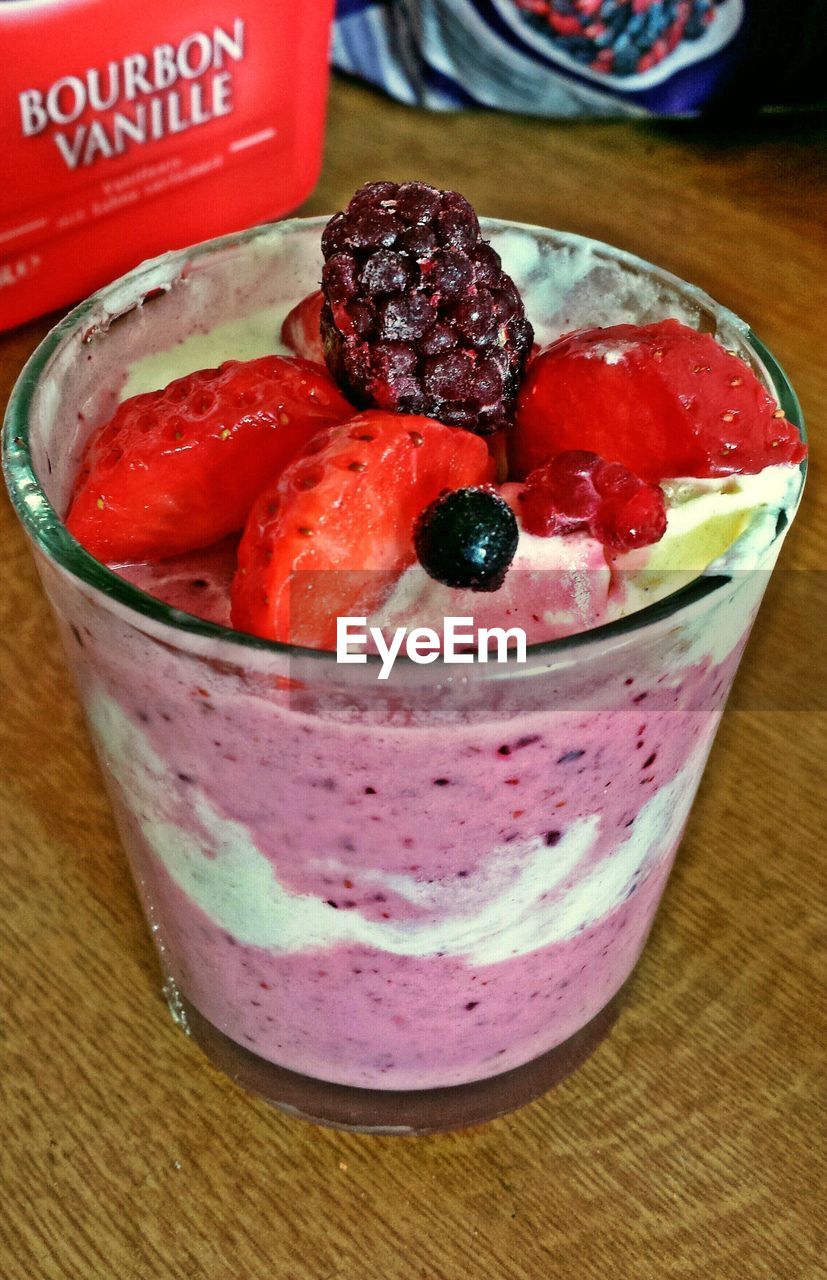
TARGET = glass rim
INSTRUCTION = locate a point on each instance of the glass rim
(47, 530)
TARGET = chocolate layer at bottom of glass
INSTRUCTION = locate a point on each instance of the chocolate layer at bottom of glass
(395, 1111)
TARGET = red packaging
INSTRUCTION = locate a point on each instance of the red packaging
(129, 127)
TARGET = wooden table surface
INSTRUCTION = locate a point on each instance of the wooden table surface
(693, 1142)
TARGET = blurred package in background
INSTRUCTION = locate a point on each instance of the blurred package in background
(129, 127)
(569, 58)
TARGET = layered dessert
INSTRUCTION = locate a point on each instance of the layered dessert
(438, 883)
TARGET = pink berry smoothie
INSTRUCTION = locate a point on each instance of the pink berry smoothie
(401, 907)
(406, 892)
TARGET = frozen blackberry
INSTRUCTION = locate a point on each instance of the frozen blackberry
(467, 538)
(418, 314)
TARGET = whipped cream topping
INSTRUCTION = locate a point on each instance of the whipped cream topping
(557, 586)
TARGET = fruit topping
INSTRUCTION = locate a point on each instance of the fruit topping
(418, 315)
(301, 330)
(619, 37)
(177, 469)
(332, 535)
(661, 398)
(578, 491)
(467, 538)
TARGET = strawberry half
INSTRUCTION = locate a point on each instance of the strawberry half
(661, 398)
(347, 505)
(301, 330)
(178, 469)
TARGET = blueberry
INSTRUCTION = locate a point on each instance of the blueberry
(626, 56)
(656, 23)
(467, 538)
(580, 48)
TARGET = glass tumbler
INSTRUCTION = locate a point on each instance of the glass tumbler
(402, 905)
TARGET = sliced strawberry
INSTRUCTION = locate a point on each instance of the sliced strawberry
(347, 505)
(178, 469)
(301, 329)
(662, 399)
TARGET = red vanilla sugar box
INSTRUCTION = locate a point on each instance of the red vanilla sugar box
(134, 127)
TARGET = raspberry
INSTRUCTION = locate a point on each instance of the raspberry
(581, 491)
(418, 315)
(467, 538)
